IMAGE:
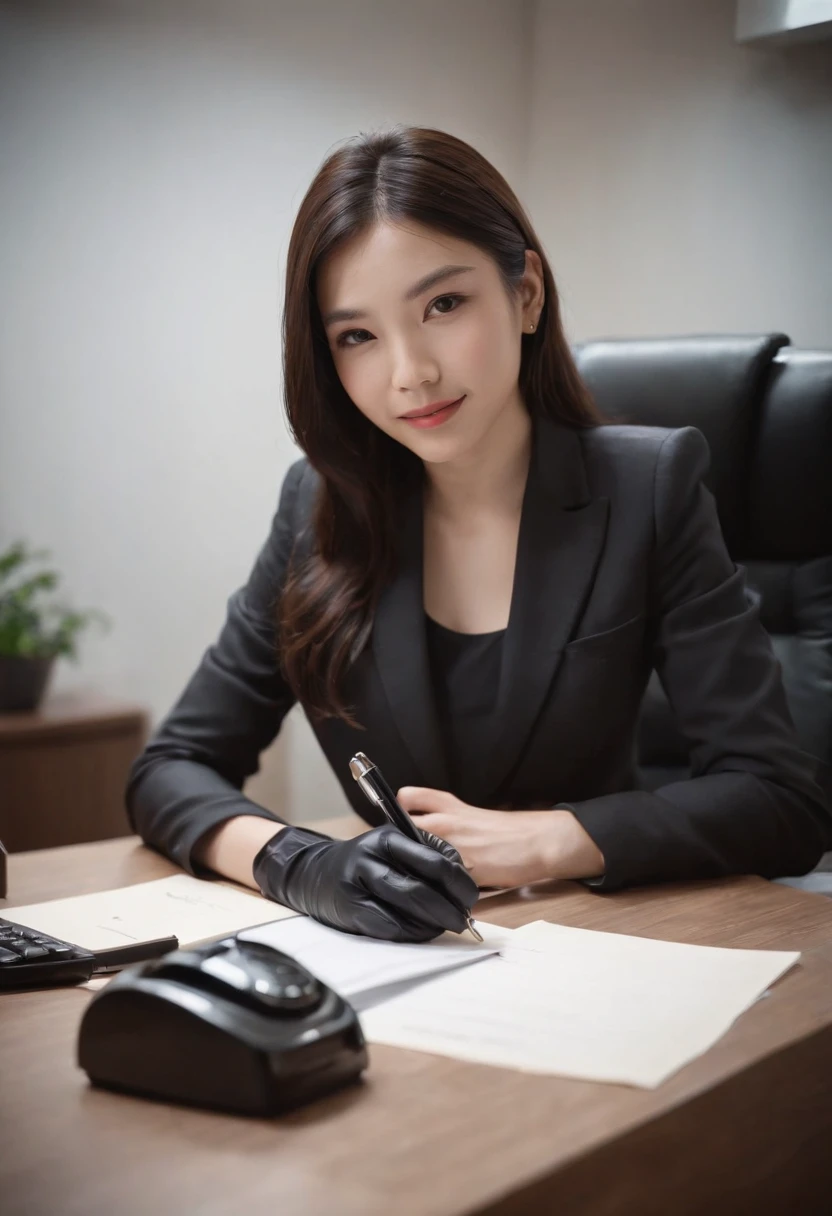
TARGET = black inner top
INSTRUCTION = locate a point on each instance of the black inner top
(465, 670)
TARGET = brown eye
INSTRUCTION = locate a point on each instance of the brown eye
(357, 337)
(342, 339)
(454, 300)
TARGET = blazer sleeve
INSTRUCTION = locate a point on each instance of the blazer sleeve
(751, 805)
(190, 776)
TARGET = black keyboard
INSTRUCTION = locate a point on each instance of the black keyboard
(31, 959)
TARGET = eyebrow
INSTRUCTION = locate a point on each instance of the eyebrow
(429, 280)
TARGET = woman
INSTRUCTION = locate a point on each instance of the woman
(470, 578)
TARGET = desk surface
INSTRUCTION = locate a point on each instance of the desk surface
(746, 1127)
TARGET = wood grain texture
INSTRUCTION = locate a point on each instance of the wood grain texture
(63, 770)
(746, 1127)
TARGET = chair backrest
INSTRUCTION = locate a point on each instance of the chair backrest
(765, 409)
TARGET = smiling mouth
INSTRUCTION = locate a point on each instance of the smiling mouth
(440, 410)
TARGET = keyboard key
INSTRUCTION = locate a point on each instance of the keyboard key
(30, 958)
(28, 951)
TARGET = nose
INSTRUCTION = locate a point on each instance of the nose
(412, 366)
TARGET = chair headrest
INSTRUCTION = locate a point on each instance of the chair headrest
(766, 412)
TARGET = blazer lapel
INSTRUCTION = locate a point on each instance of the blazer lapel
(400, 651)
(561, 536)
(560, 540)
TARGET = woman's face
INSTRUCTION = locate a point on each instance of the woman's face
(411, 343)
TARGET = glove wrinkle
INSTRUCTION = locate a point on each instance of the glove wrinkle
(380, 883)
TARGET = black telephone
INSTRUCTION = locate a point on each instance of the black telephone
(232, 1025)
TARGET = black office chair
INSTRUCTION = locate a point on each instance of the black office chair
(765, 409)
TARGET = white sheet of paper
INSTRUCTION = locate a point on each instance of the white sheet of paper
(578, 1003)
(361, 969)
(193, 909)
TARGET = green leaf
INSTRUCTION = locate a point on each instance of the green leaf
(27, 626)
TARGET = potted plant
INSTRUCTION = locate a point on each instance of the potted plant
(33, 633)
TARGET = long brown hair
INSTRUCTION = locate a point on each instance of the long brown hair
(406, 173)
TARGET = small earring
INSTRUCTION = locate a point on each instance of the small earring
(531, 327)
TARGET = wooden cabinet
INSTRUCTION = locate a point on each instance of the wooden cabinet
(63, 770)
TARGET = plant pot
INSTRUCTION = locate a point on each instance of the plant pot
(23, 682)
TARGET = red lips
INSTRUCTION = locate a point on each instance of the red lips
(424, 410)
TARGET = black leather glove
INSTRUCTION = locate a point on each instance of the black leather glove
(382, 883)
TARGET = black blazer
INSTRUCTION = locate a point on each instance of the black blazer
(621, 567)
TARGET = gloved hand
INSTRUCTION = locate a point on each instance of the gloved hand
(382, 883)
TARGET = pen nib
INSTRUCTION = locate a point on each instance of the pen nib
(475, 932)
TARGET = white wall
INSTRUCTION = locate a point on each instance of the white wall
(681, 183)
(153, 157)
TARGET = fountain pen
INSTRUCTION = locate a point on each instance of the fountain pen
(376, 789)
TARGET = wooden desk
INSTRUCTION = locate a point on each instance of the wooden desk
(747, 1128)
